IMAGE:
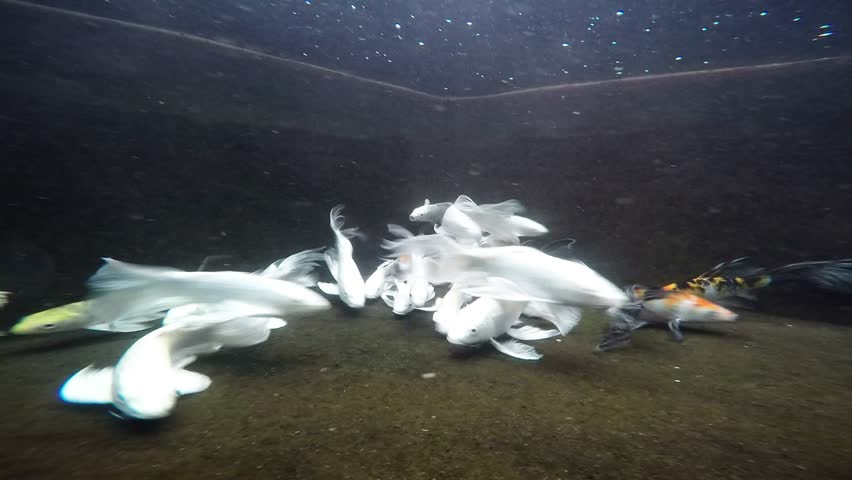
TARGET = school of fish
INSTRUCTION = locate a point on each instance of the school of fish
(481, 285)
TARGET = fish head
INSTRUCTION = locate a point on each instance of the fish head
(419, 292)
(144, 395)
(376, 281)
(402, 299)
(353, 293)
(698, 309)
(72, 316)
(147, 407)
(467, 334)
(473, 325)
(421, 213)
(717, 313)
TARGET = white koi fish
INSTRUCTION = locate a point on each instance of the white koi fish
(458, 225)
(350, 285)
(508, 273)
(449, 220)
(448, 309)
(429, 212)
(402, 299)
(127, 297)
(421, 289)
(397, 295)
(375, 284)
(296, 268)
(485, 319)
(149, 377)
(499, 220)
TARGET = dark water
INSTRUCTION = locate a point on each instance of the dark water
(192, 150)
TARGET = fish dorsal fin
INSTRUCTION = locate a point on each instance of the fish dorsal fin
(505, 209)
(116, 275)
(463, 201)
(187, 383)
(742, 266)
(89, 385)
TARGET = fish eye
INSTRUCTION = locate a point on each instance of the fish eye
(472, 330)
(48, 326)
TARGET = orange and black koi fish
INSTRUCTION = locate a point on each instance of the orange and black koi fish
(655, 305)
(739, 278)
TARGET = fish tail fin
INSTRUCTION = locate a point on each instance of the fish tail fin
(336, 220)
(738, 267)
(298, 268)
(832, 275)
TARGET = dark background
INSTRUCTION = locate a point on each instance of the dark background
(509, 44)
(153, 149)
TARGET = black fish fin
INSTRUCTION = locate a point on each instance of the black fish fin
(738, 267)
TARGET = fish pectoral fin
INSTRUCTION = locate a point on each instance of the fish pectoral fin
(133, 324)
(329, 288)
(89, 386)
(186, 360)
(528, 332)
(187, 383)
(614, 339)
(674, 327)
(516, 349)
(563, 317)
(275, 322)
